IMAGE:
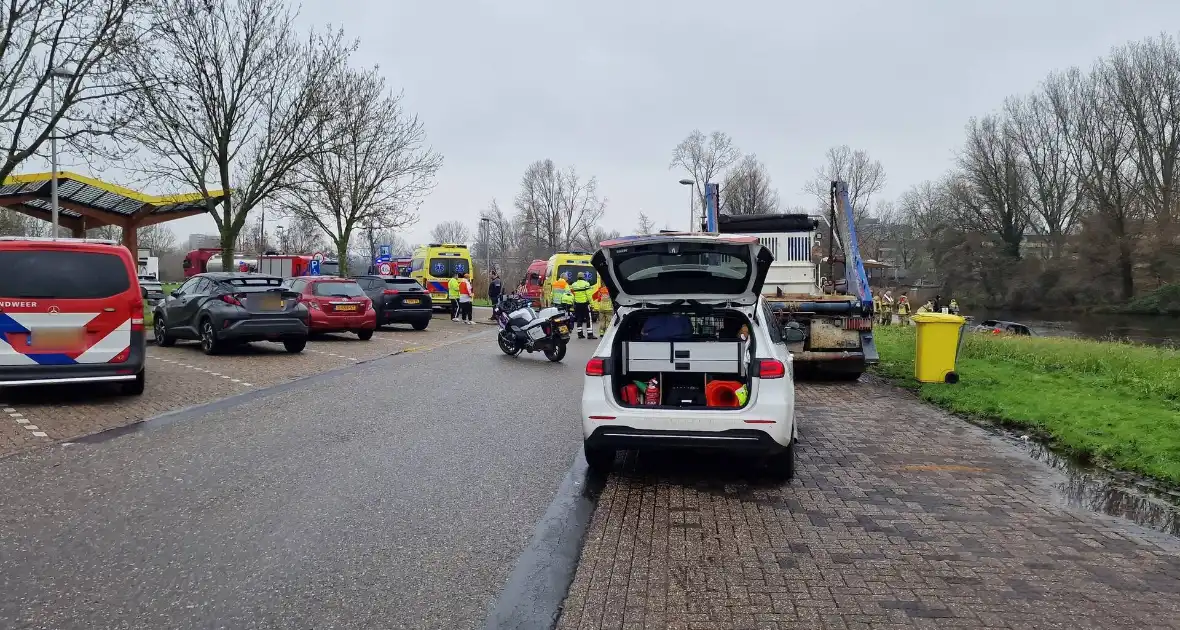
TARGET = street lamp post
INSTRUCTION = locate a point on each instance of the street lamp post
(691, 199)
(54, 73)
(486, 224)
(281, 232)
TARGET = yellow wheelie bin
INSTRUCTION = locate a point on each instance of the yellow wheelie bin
(939, 337)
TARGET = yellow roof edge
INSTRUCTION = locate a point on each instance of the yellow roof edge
(113, 188)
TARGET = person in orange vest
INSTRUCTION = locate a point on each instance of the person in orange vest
(560, 288)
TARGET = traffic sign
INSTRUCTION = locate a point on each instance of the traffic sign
(385, 251)
(313, 268)
(384, 269)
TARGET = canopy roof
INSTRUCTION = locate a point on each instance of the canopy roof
(85, 202)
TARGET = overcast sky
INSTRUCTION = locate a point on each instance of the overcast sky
(611, 86)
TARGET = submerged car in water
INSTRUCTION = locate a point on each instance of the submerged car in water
(1001, 327)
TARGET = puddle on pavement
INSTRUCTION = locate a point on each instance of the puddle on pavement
(1122, 495)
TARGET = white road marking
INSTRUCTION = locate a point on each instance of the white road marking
(9, 409)
(32, 427)
(22, 421)
(40, 434)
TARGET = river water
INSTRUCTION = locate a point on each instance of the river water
(1151, 330)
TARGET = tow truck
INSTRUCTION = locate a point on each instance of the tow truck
(827, 323)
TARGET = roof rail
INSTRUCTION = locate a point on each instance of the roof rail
(50, 239)
(575, 253)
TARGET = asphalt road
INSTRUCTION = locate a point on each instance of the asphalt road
(362, 499)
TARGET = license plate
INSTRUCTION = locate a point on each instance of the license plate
(270, 303)
(346, 307)
(57, 338)
(413, 301)
(563, 329)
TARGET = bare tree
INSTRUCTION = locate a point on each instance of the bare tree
(581, 208)
(557, 208)
(377, 170)
(232, 97)
(1042, 138)
(992, 193)
(157, 237)
(59, 73)
(704, 159)
(539, 206)
(864, 175)
(1145, 77)
(747, 189)
(301, 236)
(451, 232)
(13, 223)
(646, 225)
(1101, 149)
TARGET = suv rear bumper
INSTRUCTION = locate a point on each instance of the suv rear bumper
(65, 374)
(626, 438)
(407, 315)
(263, 328)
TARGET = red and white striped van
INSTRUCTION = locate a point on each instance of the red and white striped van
(71, 311)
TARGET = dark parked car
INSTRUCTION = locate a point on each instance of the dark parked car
(224, 308)
(398, 300)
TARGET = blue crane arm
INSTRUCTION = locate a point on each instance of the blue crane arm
(854, 266)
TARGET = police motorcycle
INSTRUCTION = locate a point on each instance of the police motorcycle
(523, 329)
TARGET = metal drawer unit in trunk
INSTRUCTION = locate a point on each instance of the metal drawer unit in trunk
(716, 357)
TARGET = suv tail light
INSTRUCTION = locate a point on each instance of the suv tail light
(771, 368)
(390, 292)
(596, 366)
(229, 299)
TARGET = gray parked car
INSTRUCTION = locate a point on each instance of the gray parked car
(225, 308)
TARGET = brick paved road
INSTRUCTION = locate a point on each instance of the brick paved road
(900, 517)
(182, 376)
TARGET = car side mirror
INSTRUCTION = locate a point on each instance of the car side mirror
(175, 293)
(143, 292)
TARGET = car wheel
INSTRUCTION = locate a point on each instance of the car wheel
(365, 335)
(600, 460)
(421, 324)
(134, 388)
(161, 331)
(295, 346)
(781, 465)
(209, 343)
(556, 352)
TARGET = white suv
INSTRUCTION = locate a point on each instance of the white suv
(691, 317)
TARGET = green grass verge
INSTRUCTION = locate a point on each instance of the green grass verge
(1114, 403)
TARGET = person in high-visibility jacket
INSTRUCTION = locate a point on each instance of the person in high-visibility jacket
(877, 306)
(453, 289)
(581, 291)
(954, 306)
(560, 289)
(903, 310)
(602, 304)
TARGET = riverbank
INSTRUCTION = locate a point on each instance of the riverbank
(1112, 403)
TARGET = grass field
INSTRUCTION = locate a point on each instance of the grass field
(1114, 403)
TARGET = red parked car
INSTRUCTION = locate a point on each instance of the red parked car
(336, 305)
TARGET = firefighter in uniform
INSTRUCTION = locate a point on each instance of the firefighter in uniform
(877, 306)
(602, 303)
(580, 291)
(954, 306)
(903, 310)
